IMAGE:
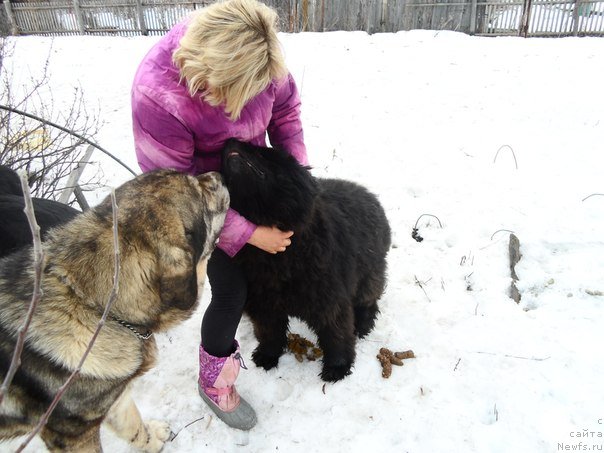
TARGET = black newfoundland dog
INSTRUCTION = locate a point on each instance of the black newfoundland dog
(15, 231)
(332, 274)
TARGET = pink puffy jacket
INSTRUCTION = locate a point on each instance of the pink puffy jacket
(174, 130)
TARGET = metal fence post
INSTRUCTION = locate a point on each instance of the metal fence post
(79, 17)
(142, 25)
(14, 30)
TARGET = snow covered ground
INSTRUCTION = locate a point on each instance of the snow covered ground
(418, 117)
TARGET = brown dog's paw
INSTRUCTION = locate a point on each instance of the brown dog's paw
(159, 432)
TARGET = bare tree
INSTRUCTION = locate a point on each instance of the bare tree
(47, 154)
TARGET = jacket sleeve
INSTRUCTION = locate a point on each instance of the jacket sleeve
(161, 140)
(235, 233)
(285, 127)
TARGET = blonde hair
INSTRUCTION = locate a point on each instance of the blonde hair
(230, 53)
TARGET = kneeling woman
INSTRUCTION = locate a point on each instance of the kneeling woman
(219, 74)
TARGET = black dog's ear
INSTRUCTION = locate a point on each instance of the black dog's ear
(177, 278)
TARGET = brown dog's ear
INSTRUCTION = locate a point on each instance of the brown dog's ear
(177, 278)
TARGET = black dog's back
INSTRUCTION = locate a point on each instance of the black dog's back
(15, 231)
(9, 181)
(363, 238)
(359, 211)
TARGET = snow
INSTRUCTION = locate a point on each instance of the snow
(489, 135)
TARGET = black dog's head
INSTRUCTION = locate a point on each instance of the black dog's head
(267, 185)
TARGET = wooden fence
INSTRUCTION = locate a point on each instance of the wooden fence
(154, 17)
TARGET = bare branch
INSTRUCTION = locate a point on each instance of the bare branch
(499, 231)
(593, 195)
(44, 419)
(421, 285)
(513, 154)
(537, 359)
(47, 153)
(457, 364)
(37, 292)
(173, 435)
(415, 234)
(429, 215)
(71, 132)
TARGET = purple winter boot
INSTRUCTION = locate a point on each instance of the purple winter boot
(217, 377)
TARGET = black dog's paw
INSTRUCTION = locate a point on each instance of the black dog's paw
(362, 331)
(334, 373)
(264, 360)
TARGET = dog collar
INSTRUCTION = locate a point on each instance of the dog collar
(142, 336)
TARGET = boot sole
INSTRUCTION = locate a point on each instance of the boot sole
(243, 418)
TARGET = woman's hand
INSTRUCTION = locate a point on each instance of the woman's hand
(271, 239)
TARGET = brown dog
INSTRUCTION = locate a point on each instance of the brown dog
(168, 224)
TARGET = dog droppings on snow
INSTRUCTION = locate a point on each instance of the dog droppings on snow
(301, 347)
(388, 358)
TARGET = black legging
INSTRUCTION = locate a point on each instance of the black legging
(229, 291)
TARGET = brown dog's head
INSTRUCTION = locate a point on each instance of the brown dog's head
(168, 223)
